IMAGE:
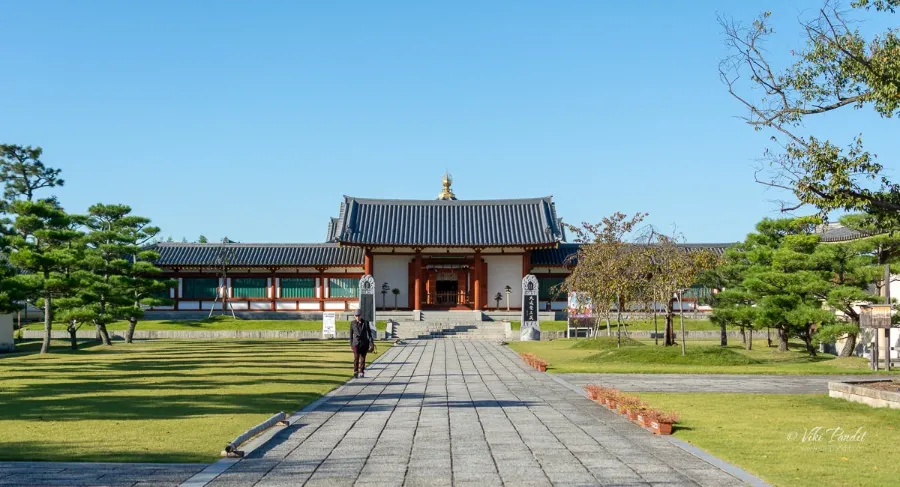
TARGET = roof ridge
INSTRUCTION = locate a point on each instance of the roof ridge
(450, 202)
(242, 244)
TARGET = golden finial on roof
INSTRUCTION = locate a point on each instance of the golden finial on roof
(447, 193)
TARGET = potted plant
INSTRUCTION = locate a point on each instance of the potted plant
(594, 392)
(395, 292)
(541, 365)
(644, 416)
(662, 423)
(612, 398)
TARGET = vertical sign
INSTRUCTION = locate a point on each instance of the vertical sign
(531, 327)
(328, 329)
(367, 298)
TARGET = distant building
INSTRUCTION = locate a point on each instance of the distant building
(442, 254)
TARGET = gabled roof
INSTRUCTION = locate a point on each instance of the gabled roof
(560, 256)
(835, 232)
(258, 255)
(448, 223)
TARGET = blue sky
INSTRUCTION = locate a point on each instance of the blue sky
(252, 120)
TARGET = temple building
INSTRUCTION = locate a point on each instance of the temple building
(445, 254)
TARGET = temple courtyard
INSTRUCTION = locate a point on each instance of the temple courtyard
(429, 412)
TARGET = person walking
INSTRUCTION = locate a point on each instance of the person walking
(361, 342)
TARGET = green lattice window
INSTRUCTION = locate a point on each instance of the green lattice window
(343, 288)
(298, 287)
(547, 288)
(248, 287)
(199, 287)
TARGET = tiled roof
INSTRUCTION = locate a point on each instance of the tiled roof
(835, 232)
(560, 255)
(443, 223)
(259, 255)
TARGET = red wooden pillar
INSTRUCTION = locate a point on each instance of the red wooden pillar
(526, 263)
(367, 262)
(274, 288)
(477, 280)
(417, 268)
(321, 289)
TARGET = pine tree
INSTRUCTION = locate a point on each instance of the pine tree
(120, 270)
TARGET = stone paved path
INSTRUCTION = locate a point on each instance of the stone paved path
(760, 384)
(96, 474)
(461, 412)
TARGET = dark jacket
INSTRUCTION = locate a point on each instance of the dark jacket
(360, 334)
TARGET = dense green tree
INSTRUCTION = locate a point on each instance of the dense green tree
(42, 249)
(22, 172)
(785, 279)
(202, 239)
(837, 70)
(120, 272)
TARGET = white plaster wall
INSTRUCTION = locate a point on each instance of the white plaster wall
(504, 271)
(259, 305)
(309, 305)
(332, 305)
(189, 305)
(238, 304)
(286, 305)
(393, 269)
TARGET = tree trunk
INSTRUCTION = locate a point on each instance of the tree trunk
(724, 336)
(618, 327)
(681, 318)
(104, 334)
(608, 326)
(744, 334)
(132, 324)
(749, 342)
(655, 327)
(73, 339)
(782, 338)
(768, 337)
(849, 345)
(48, 323)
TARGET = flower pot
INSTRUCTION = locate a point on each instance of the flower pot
(611, 403)
(542, 367)
(632, 414)
(661, 428)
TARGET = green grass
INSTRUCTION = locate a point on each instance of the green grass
(222, 323)
(642, 356)
(156, 401)
(633, 325)
(756, 432)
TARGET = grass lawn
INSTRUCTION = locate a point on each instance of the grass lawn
(221, 323)
(156, 401)
(634, 325)
(763, 434)
(601, 355)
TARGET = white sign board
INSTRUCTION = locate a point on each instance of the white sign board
(328, 329)
(531, 326)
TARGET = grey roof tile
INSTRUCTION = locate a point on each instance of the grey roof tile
(448, 223)
(259, 255)
(565, 253)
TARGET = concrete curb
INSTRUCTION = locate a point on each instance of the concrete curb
(209, 474)
(733, 470)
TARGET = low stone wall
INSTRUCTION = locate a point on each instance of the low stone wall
(193, 335)
(858, 392)
(643, 335)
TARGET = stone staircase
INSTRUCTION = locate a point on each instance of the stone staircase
(427, 330)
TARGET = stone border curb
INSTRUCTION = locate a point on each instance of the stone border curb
(856, 391)
(211, 472)
(734, 470)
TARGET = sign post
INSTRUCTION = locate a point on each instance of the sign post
(878, 317)
(328, 329)
(531, 325)
(367, 300)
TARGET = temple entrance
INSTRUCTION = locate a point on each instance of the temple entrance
(447, 289)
